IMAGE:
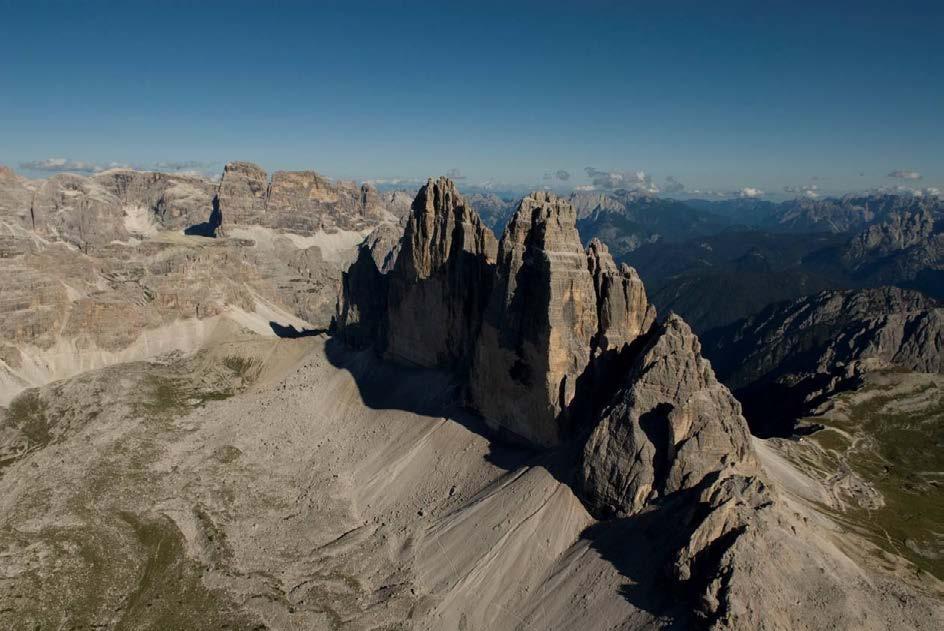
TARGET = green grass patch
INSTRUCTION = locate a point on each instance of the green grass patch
(900, 454)
(241, 366)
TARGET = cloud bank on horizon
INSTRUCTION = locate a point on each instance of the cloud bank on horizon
(635, 181)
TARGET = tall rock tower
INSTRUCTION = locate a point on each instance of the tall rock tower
(441, 281)
(539, 323)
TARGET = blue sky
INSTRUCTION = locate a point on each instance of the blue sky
(721, 96)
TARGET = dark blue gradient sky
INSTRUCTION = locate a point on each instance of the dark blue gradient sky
(720, 95)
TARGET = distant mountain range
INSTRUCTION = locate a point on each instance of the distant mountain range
(715, 280)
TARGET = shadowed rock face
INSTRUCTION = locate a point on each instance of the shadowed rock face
(623, 311)
(539, 325)
(441, 280)
(787, 359)
(361, 315)
(670, 426)
(832, 333)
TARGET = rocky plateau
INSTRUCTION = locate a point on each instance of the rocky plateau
(291, 403)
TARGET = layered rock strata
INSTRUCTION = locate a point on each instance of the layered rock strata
(532, 319)
(539, 324)
(297, 201)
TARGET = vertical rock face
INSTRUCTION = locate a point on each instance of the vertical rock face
(623, 311)
(361, 314)
(242, 193)
(441, 281)
(78, 210)
(900, 231)
(175, 201)
(304, 201)
(672, 425)
(539, 324)
(15, 199)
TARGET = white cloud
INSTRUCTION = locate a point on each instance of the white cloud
(59, 165)
(929, 191)
(395, 181)
(637, 181)
(810, 190)
(750, 192)
(185, 166)
(672, 185)
(905, 175)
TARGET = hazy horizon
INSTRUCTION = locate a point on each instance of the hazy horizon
(688, 100)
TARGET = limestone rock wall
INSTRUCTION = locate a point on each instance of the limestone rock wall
(623, 310)
(671, 425)
(175, 201)
(539, 324)
(441, 281)
(242, 193)
(302, 202)
(361, 313)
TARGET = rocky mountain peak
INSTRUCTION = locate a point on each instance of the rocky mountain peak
(623, 310)
(540, 321)
(296, 201)
(441, 281)
(242, 193)
(671, 425)
(440, 222)
(901, 230)
(535, 322)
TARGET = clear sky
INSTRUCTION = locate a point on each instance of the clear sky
(721, 96)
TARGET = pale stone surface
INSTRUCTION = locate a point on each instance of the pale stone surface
(623, 311)
(539, 324)
(671, 425)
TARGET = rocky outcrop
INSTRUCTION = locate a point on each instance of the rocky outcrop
(361, 313)
(79, 211)
(832, 334)
(671, 425)
(441, 281)
(673, 451)
(539, 324)
(15, 199)
(242, 193)
(173, 201)
(302, 202)
(623, 311)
